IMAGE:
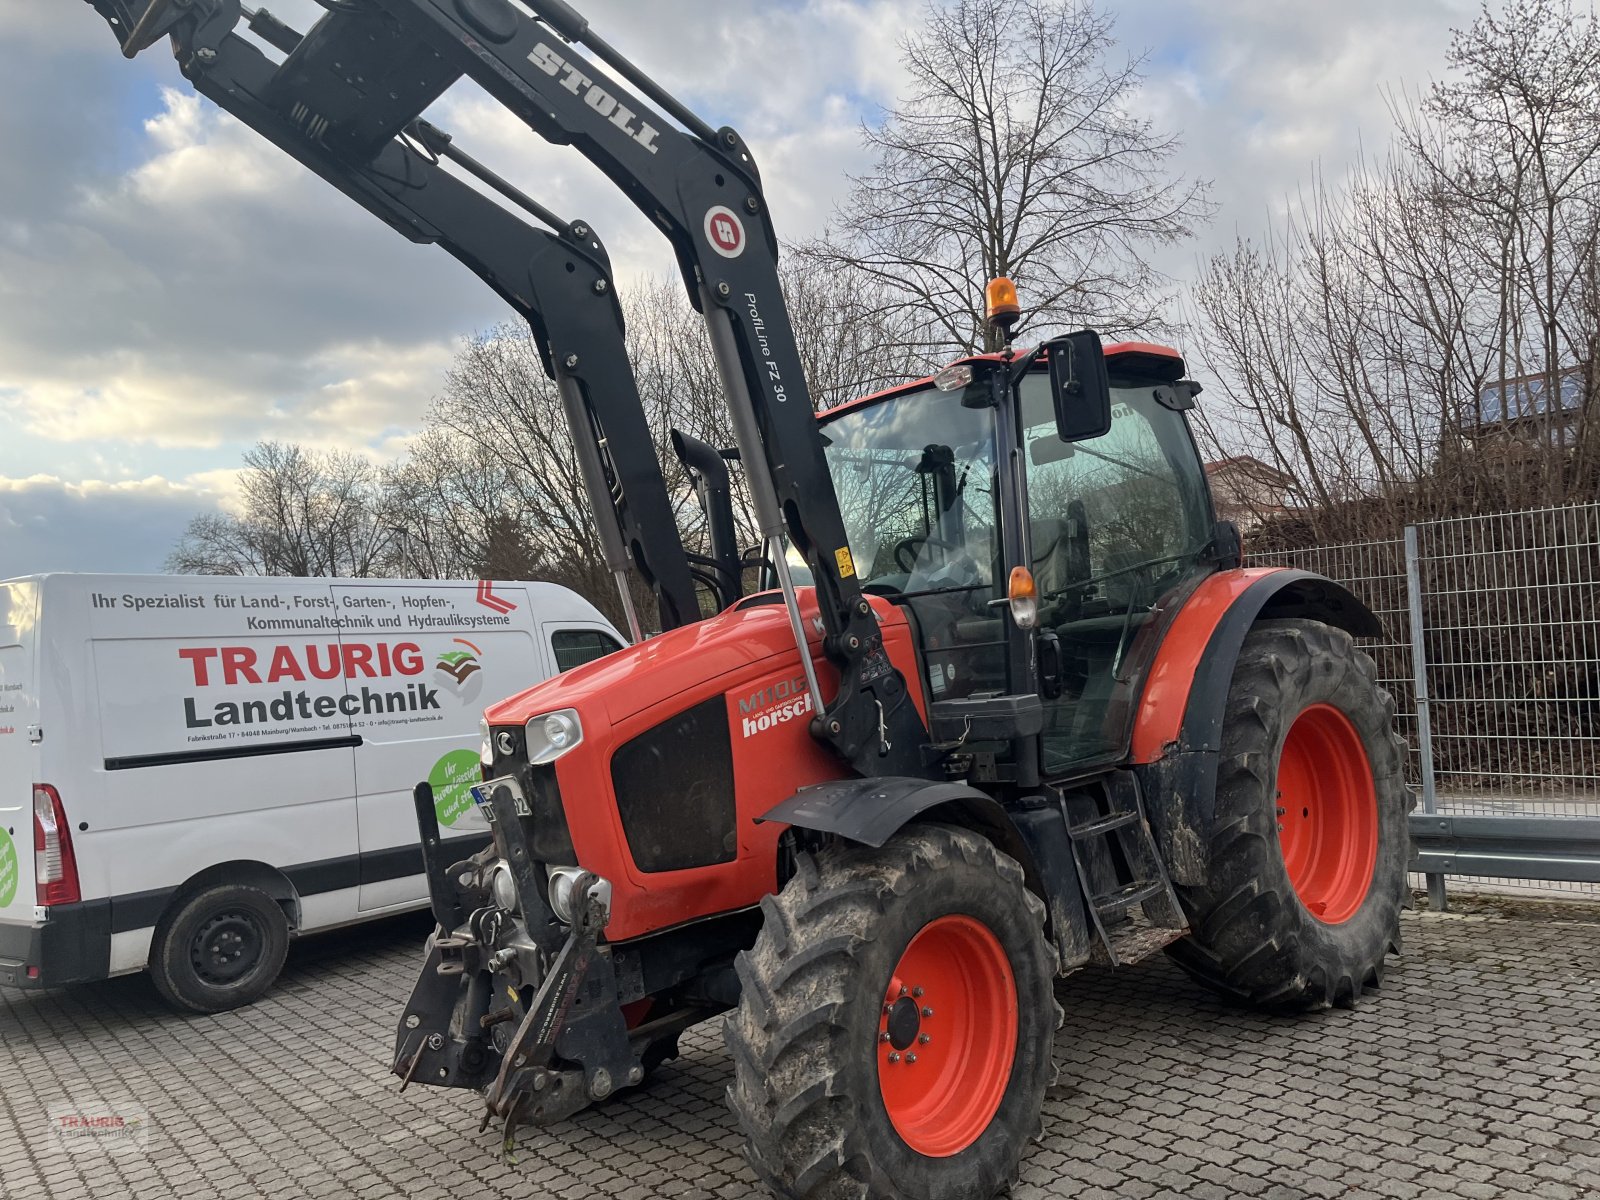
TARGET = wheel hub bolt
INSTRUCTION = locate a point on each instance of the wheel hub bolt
(894, 1058)
(883, 1037)
(927, 1012)
(910, 1058)
(917, 992)
(923, 1039)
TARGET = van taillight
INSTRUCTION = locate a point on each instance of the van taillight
(55, 867)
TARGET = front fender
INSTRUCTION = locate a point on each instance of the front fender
(1177, 736)
(871, 811)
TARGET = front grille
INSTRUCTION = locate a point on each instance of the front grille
(674, 788)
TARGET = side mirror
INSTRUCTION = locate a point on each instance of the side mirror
(1079, 386)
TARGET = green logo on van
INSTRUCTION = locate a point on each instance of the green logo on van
(452, 778)
(9, 869)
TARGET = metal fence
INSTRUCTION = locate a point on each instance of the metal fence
(1493, 657)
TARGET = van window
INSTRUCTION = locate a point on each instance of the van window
(574, 647)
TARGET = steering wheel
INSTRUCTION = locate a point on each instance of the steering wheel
(908, 548)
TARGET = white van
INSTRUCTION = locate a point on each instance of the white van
(192, 769)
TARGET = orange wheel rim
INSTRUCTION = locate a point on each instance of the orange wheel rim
(947, 1036)
(1327, 814)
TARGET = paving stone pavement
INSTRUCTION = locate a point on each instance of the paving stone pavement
(1474, 1073)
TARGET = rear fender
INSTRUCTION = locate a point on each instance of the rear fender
(871, 811)
(1177, 737)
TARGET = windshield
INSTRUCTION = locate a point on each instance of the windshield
(915, 477)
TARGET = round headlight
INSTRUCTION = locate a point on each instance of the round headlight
(504, 888)
(559, 730)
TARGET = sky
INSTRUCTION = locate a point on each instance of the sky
(173, 289)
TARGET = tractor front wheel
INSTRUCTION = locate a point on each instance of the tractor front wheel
(893, 1037)
(1308, 850)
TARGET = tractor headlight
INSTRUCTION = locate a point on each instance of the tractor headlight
(565, 899)
(485, 744)
(504, 887)
(552, 735)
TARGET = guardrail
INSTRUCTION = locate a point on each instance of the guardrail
(1551, 848)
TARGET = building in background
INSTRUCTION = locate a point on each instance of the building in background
(1523, 409)
(1247, 491)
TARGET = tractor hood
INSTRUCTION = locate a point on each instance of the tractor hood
(635, 678)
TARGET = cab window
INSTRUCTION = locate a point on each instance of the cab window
(574, 647)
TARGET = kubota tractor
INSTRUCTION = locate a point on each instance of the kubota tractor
(1011, 703)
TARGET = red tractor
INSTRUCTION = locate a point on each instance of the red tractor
(1009, 704)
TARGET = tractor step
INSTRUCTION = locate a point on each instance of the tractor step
(1104, 825)
(1131, 941)
(1128, 896)
(1121, 871)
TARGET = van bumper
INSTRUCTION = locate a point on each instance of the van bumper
(72, 946)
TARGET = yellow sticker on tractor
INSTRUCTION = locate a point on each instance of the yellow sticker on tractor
(847, 565)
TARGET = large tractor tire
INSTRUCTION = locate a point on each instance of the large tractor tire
(893, 1039)
(1308, 851)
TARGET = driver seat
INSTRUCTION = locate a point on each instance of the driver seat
(1061, 549)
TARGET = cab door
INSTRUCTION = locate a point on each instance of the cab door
(1120, 528)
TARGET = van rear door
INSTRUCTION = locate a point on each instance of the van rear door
(457, 648)
(19, 714)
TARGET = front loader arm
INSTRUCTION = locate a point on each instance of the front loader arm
(361, 79)
(702, 189)
(560, 282)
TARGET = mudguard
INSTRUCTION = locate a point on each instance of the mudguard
(1178, 734)
(871, 811)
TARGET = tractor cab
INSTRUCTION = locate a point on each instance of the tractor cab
(1118, 528)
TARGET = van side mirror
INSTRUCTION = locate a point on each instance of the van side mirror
(1079, 386)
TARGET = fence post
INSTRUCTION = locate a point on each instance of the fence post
(1419, 677)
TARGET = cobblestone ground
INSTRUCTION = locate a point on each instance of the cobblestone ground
(1476, 1073)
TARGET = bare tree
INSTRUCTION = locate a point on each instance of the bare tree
(456, 513)
(1400, 347)
(303, 513)
(1016, 152)
(491, 486)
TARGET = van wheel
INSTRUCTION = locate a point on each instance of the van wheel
(220, 949)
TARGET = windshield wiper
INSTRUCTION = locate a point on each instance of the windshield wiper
(1138, 566)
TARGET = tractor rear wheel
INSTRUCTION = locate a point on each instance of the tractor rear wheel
(893, 1037)
(1308, 851)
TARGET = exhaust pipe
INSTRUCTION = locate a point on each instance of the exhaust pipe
(709, 474)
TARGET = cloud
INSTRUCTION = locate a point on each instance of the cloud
(47, 524)
(173, 288)
(215, 293)
(1265, 93)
